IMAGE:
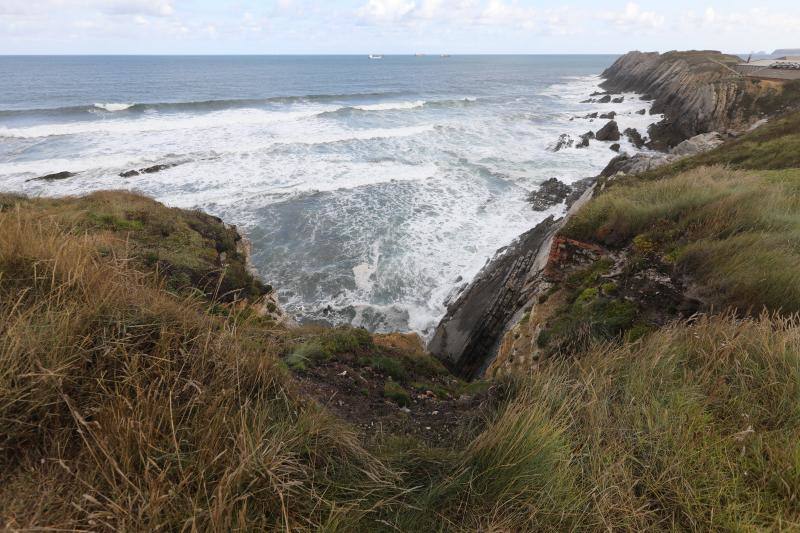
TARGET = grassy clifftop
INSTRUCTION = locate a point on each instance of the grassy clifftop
(136, 394)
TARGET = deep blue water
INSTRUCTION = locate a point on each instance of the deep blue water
(371, 189)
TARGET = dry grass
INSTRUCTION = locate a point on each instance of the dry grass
(127, 407)
(142, 412)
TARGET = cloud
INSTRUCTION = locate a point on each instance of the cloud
(634, 18)
(500, 13)
(386, 10)
(753, 19)
(153, 8)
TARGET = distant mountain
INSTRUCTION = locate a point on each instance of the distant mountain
(786, 52)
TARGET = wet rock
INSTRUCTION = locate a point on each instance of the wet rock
(634, 137)
(551, 192)
(55, 176)
(609, 132)
(564, 141)
(604, 100)
(642, 112)
(615, 147)
(591, 115)
(585, 138)
(618, 100)
(598, 93)
(610, 116)
(147, 170)
(578, 188)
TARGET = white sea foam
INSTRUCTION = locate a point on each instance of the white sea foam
(390, 106)
(114, 107)
(403, 207)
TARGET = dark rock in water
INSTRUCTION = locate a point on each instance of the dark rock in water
(634, 137)
(588, 101)
(55, 176)
(604, 100)
(591, 115)
(551, 192)
(642, 112)
(564, 141)
(609, 132)
(615, 147)
(585, 138)
(599, 93)
(147, 170)
(578, 188)
(646, 98)
(474, 324)
(610, 116)
(618, 100)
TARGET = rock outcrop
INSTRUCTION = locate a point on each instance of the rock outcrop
(642, 162)
(698, 144)
(697, 92)
(474, 323)
(550, 193)
(609, 132)
(467, 337)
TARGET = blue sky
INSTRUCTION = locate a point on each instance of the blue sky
(392, 26)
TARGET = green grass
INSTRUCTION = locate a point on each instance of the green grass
(126, 406)
(735, 232)
(773, 146)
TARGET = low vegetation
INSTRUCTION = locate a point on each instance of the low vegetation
(773, 146)
(132, 398)
(735, 232)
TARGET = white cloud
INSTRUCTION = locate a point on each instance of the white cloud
(386, 10)
(154, 8)
(634, 18)
(774, 22)
(500, 13)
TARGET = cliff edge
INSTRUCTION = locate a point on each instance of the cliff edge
(698, 92)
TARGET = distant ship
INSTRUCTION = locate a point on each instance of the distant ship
(374, 56)
(445, 55)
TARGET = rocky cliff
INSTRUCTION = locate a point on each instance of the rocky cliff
(698, 92)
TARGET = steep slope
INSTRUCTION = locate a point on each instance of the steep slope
(698, 92)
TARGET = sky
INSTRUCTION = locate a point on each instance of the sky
(393, 26)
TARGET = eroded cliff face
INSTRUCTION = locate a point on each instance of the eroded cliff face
(698, 92)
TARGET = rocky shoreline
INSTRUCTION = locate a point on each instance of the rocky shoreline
(695, 99)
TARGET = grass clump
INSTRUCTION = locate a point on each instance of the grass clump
(394, 392)
(737, 233)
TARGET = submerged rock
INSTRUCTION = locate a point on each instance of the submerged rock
(609, 132)
(564, 141)
(55, 176)
(585, 138)
(147, 170)
(551, 192)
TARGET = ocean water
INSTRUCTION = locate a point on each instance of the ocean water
(372, 190)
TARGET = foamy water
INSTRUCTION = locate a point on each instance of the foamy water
(370, 191)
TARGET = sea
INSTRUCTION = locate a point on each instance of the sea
(371, 190)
